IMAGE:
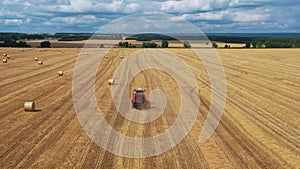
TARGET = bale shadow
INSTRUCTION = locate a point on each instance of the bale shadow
(34, 111)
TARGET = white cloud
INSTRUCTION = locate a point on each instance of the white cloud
(10, 2)
(250, 16)
(89, 6)
(184, 6)
(243, 17)
(13, 21)
(234, 3)
(28, 20)
(203, 16)
(74, 20)
(26, 4)
(229, 15)
(188, 6)
(148, 23)
(132, 8)
(11, 14)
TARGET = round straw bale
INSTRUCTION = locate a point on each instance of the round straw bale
(36, 59)
(29, 106)
(60, 73)
(122, 57)
(4, 60)
(4, 54)
(7, 57)
(111, 81)
(40, 62)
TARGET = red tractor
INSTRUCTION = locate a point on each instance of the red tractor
(138, 98)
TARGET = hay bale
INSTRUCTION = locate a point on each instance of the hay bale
(29, 106)
(36, 59)
(4, 54)
(111, 81)
(60, 73)
(40, 62)
(7, 57)
(122, 57)
(4, 60)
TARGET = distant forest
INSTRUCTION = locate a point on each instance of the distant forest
(19, 39)
(256, 42)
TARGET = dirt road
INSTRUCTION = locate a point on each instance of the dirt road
(259, 128)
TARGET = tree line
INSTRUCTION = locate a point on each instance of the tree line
(164, 44)
(260, 42)
(150, 37)
(19, 39)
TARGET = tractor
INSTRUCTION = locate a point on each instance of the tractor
(138, 98)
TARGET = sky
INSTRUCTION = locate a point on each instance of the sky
(210, 16)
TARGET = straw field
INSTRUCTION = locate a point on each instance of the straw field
(259, 128)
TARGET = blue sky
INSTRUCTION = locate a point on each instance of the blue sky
(211, 16)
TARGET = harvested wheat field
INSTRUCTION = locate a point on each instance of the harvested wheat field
(260, 127)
